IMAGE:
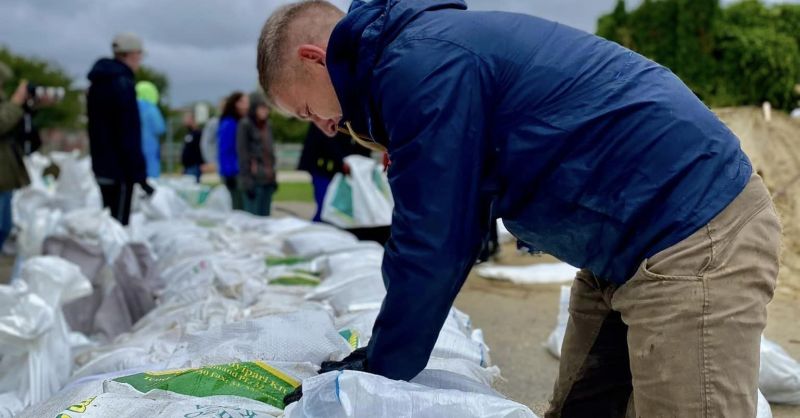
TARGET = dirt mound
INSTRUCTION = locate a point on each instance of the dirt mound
(774, 148)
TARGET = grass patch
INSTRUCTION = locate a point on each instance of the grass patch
(294, 192)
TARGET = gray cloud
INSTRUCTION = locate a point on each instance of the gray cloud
(206, 47)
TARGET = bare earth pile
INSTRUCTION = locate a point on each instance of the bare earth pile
(774, 148)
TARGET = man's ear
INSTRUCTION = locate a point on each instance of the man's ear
(312, 53)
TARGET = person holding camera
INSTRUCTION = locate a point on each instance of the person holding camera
(114, 126)
(12, 170)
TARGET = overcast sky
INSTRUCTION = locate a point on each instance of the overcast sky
(206, 47)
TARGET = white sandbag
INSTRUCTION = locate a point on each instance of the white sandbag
(360, 289)
(163, 204)
(316, 242)
(76, 187)
(219, 199)
(96, 226)
(35, 164)
(70, 395)
(763, 409)
(165, 405)
(531, 274)
(356, 394)
(35, 355)
(556, 337)
(779, 375)
(483, 375)
(343, 262)
(271, 338)
(361, 199)
(34, 228)
(503, 234)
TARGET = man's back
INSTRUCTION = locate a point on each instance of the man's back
(114, 125)
(601, 157)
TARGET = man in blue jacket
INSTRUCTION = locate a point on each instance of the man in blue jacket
(114, 126)
(588, 151)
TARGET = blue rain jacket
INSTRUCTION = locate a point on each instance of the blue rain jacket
(587, 150)
(226, 147)
(153, 127)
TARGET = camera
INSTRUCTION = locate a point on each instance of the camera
(37, 93)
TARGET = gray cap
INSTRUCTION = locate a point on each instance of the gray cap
(126, 42)
(6, 73)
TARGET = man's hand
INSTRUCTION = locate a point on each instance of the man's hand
(147, 188)
(293, 397)
(20, 94)
(357, 360)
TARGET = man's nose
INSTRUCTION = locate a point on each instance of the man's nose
(327, 126)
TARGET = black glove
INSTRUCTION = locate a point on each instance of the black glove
(357, 360)
(147, 188)
(293, 397)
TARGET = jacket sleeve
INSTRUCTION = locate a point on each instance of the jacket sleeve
(10, 115)
(430, 99)
(159, 125)
(129, 132)
(243, 153)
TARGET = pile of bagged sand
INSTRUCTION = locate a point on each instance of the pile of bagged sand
(774, 148)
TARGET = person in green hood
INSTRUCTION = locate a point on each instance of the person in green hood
(152, 124)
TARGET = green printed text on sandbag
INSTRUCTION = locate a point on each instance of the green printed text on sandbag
(254, 380)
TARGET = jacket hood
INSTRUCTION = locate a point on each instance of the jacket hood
(356, 45)
(109, 67)
(147, 91)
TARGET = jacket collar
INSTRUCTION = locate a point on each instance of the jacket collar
(357, 43)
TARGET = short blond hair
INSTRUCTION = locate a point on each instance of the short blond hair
(304, 22)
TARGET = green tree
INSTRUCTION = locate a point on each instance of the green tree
(287, 130)
(65, 114)
(756, 65)
(742, 54)
(694, 49)
(614, 26)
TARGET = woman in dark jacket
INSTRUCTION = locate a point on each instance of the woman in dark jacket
(236, 107)
(323, 157)
(256, 158)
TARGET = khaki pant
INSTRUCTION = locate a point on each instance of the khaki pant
(681, 337)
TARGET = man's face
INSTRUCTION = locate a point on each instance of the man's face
(133, 60)
(310, 95)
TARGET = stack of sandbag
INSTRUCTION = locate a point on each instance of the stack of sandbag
(247, 309)
(35, 341)
(122, 272)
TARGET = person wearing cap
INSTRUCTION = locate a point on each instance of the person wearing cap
(114, 126)
(587, 151)
(12, 169)
(153, 126)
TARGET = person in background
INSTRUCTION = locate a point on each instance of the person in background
(256, 153)
(191, 157)
(12, 170)
(236, 107)
(323, 157)
(115, 136)
(153, 126)
(208, 141)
